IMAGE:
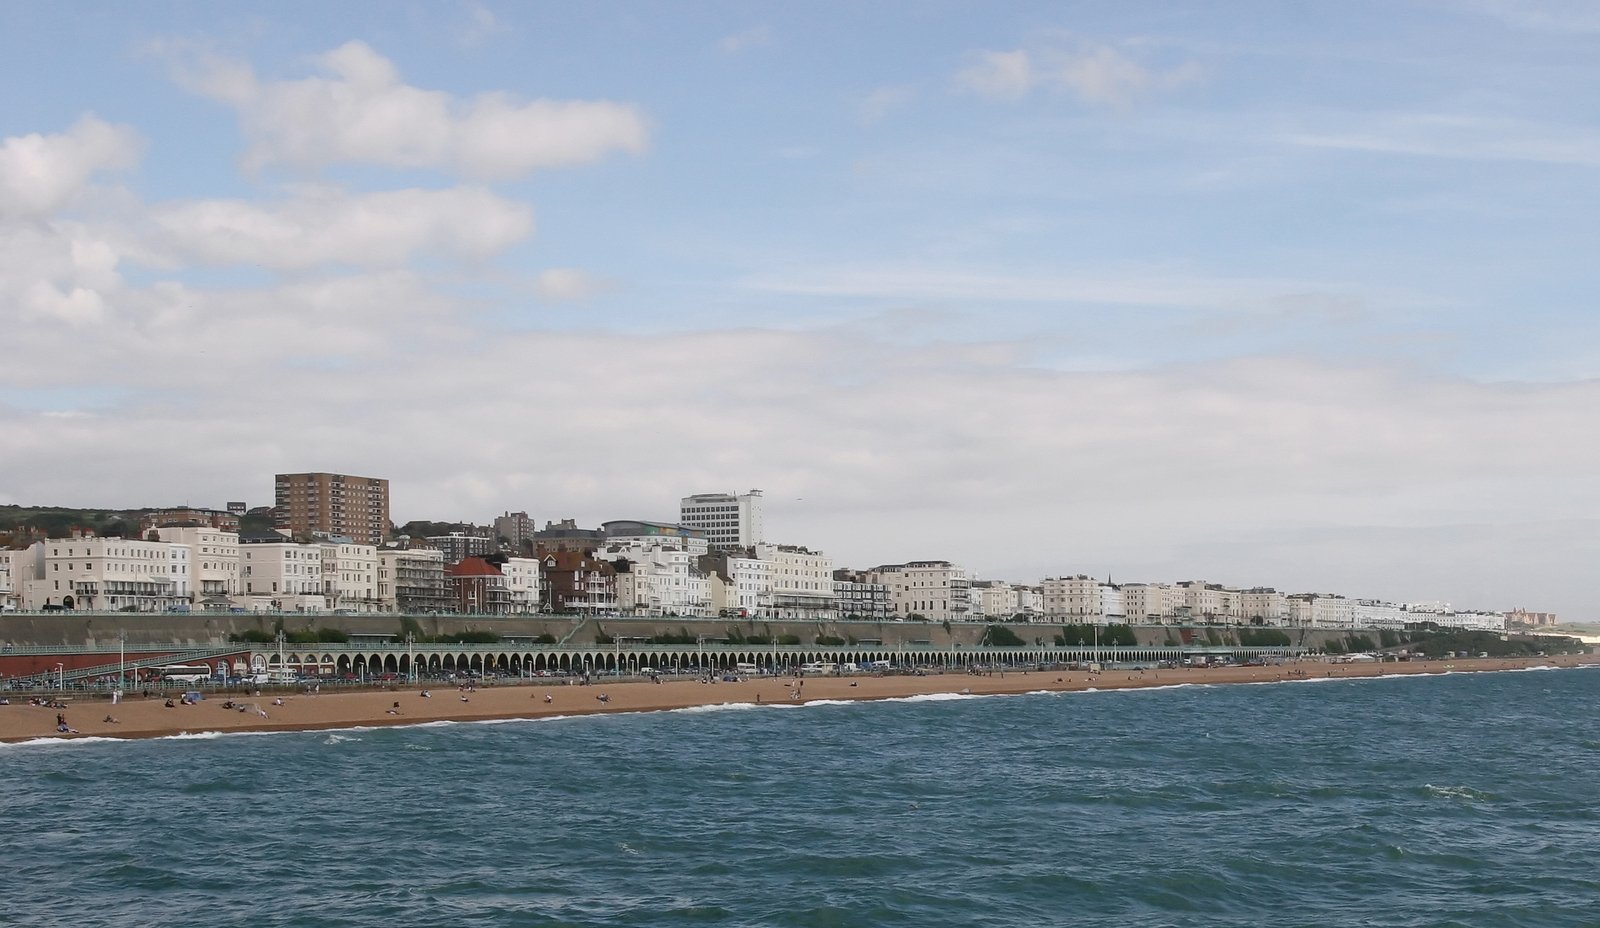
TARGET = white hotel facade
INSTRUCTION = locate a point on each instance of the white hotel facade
(108, 574)
(939, 591)
(213, 561)
(281, 576)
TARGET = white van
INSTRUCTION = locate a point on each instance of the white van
(820, 669)
(746, 670)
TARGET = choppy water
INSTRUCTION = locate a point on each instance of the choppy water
(1464, 800)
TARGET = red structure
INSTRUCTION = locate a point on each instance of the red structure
(479, 587)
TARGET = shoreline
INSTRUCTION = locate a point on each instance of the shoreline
(140, 718)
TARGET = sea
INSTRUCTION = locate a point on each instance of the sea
(1451, 800)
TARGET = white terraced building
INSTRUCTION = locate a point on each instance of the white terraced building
(213, 561)
(281, 576)
(738, 586)
(412, 580)
(1268, 605)
(350, 577)
(993, 599)
(9, 597)
(1074, 599)
(938, 591)
(111, 574)
(658, 580)
(1143, 603)
(802, 582)
(522, 583)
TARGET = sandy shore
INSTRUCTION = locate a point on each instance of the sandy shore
(150, 718)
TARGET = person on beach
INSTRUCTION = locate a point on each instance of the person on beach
(111, 719)
(548, 699)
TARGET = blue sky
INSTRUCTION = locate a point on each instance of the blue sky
(1265, 293)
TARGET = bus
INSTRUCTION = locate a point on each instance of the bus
(183, 673)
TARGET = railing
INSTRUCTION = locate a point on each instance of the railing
(171, 656)
(99, 648)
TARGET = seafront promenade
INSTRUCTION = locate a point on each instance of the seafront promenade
(403, 704)
(81, 647)
(369, 661)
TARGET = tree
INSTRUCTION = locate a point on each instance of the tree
(1001, 636)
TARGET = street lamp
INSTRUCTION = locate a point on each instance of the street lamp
(61, 676)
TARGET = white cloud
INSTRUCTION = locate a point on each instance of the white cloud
(78, 307)
(359, 111)
(1131, 285)
(1099, 75)
(881, 102)
(1106, 76)
(1557, 16)
(41, 173)
(749, 38)
(998, 75)
(320, 225)
(1438, 135)
(56, 272)
(568, 284)
(893, 449)
(480, 23)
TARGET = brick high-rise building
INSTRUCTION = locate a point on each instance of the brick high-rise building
(335, 504)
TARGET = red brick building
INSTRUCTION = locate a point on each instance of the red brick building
(577, 581)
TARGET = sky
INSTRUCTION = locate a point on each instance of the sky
(1293, 295)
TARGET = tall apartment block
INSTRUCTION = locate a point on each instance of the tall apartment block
(517, 529)
(336, 504)
(730, 522)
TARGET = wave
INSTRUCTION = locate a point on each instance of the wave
(1466, 793)
(734, 707)
(724, 707)
(41, 742)
(939, 697)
